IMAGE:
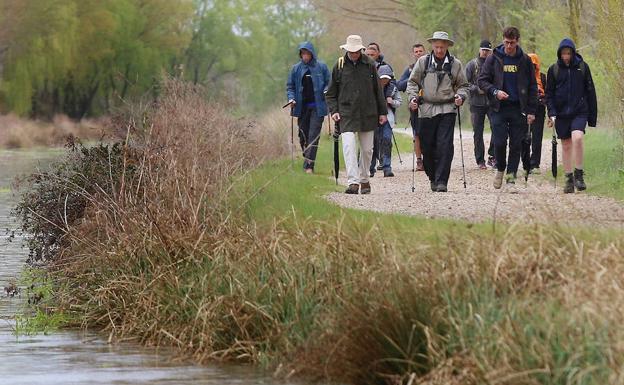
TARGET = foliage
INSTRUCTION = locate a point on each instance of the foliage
(88, 56)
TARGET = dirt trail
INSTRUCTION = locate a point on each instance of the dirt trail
(537, 201)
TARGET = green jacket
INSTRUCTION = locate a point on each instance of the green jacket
(356, 93)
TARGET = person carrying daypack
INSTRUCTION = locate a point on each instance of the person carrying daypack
(508, 78)
(418, 50)
(307, 82)
(356, 101)
(442, 80)
(572, 104)
(537, 128)
(393, 98)
(480, 107)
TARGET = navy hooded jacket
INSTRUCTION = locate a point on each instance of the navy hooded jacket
(572, 93)
(320, 80)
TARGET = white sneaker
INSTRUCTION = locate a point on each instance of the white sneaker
(498, 179)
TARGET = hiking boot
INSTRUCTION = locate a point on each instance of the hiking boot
(379, 167)
(433, 187)
(388, 173)
(498, 179)
(482, 166)
(352, 189)
(579, 182)
(419, 165)
(365, 188)
(568, 188)
(372, 173)
(510, 183)
(491, 162)
(441, 187)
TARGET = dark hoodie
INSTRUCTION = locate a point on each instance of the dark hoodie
(492, 77)
(572, 92)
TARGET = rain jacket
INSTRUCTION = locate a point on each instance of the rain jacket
(356, 93)
(572, 93)
(320, 80)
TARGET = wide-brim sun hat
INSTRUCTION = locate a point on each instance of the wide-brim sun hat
(353, 44)
(441, 35)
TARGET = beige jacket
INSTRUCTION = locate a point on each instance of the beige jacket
(438, 89)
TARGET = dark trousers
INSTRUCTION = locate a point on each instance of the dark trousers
(537, 134)
(477, 115)
(508, 122)
(309, 133)
(436, 140)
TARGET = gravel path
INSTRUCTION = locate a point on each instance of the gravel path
(538, 201)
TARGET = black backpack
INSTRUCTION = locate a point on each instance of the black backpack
(555, 68)
(446, 67)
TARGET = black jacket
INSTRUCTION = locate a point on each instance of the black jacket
(572, 91)
(491, 79)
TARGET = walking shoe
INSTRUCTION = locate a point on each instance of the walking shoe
(419, 165)
(365, 188)
(379, 167)
(433, 187)
(498, 179)
(388, 173)
(482, 166)
(372, 173)
(510, 183)
(352, 189)
(491, 162)
(441, 187)
(579, 182)
(568, 188)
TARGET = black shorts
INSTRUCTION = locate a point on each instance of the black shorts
(565, 126)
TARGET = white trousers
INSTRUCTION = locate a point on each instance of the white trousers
(357, 173)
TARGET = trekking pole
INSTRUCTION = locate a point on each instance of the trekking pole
(461, 145)
(397, 148)
(413, 164)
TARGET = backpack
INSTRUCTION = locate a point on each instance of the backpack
(555, 68)
(445, 67)
(340, 65)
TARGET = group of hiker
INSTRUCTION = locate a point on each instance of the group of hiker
(503, 83)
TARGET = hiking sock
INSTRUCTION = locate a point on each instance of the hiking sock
(569, 183)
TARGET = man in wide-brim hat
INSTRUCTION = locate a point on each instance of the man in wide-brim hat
(355, 100)
(437, 87)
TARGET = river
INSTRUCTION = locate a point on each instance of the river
(79, 357)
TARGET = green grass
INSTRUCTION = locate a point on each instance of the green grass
(604, 163)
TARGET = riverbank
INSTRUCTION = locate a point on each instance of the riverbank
(192, 248)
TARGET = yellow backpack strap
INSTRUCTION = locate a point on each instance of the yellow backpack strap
(339, 66)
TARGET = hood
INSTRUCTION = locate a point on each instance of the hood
(536, 61)
(500, 51)
(568, 43)
(309, 46)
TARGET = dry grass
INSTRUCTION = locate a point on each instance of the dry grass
(168, 260)
(16, 132)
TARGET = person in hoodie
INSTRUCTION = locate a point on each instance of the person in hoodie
(418, 51)
(479, 106)
(572, 104)
(537, 129)
(508, 78)
(307, 82)
(394, 101)
(373, 51)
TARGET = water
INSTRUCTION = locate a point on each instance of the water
(73, 357)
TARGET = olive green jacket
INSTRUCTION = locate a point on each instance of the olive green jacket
(356, 93)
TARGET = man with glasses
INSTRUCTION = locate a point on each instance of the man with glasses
(508, 78)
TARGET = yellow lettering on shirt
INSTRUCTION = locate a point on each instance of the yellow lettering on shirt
(510, 68)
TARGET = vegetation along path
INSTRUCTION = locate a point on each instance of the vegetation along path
(536, 201)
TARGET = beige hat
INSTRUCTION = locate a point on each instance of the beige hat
(354, 44)
(441, 35)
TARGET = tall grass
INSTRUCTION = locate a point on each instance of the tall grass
(16, 132)
(173, 256)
